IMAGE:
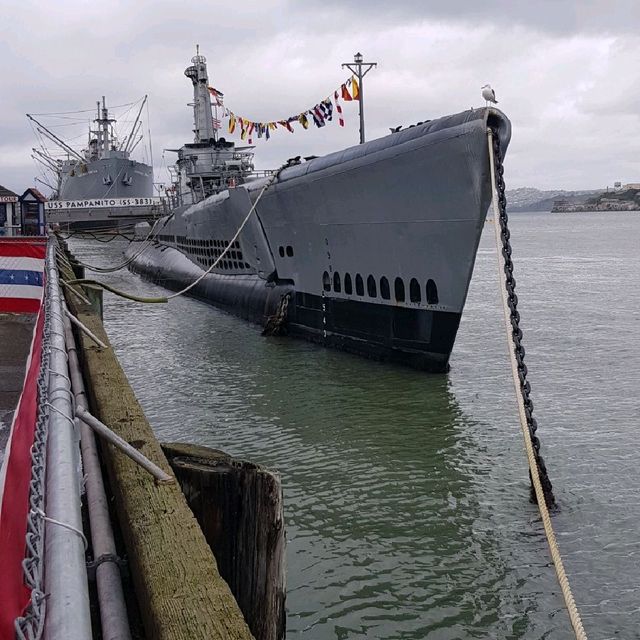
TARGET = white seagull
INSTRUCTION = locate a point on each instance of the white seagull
(489, 94)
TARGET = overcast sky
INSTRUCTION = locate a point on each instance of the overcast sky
(567, 74)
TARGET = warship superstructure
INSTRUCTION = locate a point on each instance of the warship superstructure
(370, 249)
(99, 186)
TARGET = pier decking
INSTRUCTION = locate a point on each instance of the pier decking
(180, 591)
(16, 331)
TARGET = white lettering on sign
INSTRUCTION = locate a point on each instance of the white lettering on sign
(8, 199)
(101, 203)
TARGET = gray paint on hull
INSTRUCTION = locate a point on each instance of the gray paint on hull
(128, 179)
(91, 185)
(410, 206)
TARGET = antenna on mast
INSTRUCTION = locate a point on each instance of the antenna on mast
(356, 68)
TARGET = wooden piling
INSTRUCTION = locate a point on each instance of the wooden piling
(239, 507)
(179, 589)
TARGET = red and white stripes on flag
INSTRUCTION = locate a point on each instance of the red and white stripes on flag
(21, 275)
(338, 109)
(21, 291)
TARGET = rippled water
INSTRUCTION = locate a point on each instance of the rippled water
(407, 493)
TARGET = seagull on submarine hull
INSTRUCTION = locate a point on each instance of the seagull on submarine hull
(489, 94)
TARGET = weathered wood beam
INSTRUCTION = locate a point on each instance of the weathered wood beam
(240, 509)
(179, 589)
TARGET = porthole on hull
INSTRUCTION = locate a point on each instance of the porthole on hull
(371, 287)
(326, 281)
(348, 288)
(385, 292)
(432, 292)
(414, 291)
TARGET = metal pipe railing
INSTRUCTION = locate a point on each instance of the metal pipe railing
(68, 614)
(113, 438)
(113, 609)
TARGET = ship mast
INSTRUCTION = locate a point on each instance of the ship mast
(202, 116)
(103, 132)
(134, 130)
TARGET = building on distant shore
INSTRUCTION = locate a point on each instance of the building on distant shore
(9, 213)
(560, 206)
(632, 185)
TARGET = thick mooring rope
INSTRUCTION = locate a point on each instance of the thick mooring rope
(146, 243)
(570, 603)
(269, 182)
(149, 239)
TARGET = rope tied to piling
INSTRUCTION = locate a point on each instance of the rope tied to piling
(542, 489)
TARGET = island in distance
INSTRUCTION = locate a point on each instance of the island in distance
(619, 198)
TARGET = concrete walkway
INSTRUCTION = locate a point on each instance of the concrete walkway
(16, 332)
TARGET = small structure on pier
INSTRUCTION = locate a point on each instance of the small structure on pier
(32, 210)
(9, 212)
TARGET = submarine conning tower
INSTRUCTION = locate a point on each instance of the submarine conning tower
(202, 116)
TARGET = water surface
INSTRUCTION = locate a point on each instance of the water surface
(406, 494)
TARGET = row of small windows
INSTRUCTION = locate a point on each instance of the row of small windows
(195, 243)
(288, 251)
(415, 291)
(206, 252)
(224, 264)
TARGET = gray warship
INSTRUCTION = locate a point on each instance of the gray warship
(100, 187)
(370, 249)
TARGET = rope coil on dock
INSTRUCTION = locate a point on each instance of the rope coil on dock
(499, 219)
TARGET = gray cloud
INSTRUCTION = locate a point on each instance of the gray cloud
(565, 73)
(554, 16)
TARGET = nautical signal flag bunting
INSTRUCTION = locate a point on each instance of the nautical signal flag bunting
(319, 114)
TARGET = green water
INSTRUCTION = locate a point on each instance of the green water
(406, 493)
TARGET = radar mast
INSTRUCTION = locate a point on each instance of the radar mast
(202, 115)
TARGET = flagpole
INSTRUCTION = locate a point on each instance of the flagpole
(357, 71)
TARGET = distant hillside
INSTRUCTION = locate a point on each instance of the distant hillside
(627, 200)
(532, 199)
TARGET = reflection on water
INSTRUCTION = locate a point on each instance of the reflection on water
(406, 493)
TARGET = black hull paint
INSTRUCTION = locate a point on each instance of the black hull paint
(419, 338)
(414, 337)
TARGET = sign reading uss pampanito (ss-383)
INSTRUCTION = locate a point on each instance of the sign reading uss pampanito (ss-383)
(101, 203)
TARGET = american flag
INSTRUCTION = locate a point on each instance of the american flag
(21, 275)
(216, 123)
(21, 278)
(218, 96)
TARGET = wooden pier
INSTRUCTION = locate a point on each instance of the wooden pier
(178, 585)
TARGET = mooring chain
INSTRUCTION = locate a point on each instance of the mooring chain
(541, 486)
(510, 283)
(276, 323)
